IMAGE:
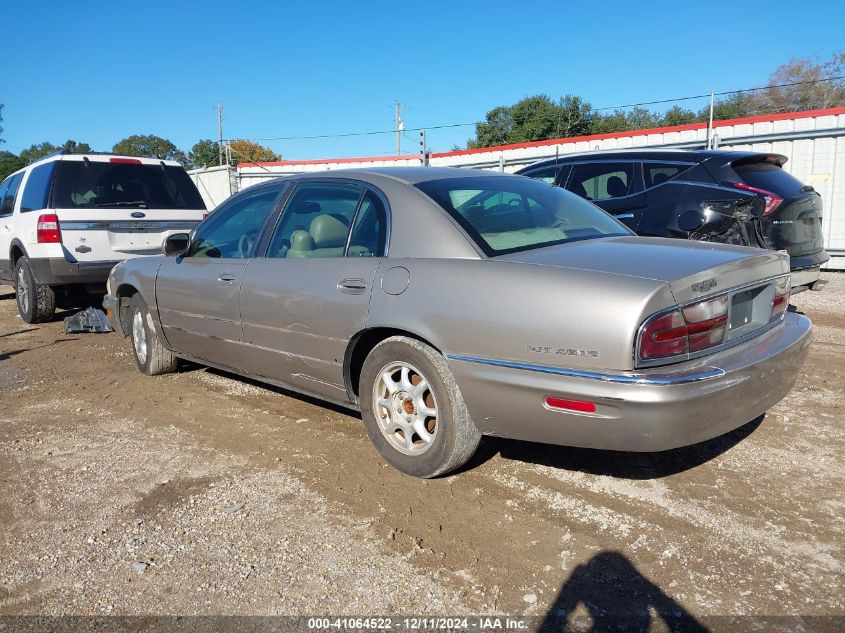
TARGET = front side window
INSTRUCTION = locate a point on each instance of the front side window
(600, 181)
(508, 214)
(316, 221)
(10, 195)
(658, 173)
(98, 184)
(231, 231)
(4, 187)
(36, 192)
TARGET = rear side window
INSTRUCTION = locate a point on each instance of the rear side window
(98, 184)
(770, 178)
(36, 193)
(369, 233)
(658, 173)
(7, 205)
(599, 181)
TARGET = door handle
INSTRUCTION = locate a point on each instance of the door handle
(624, 216)
(352, 286)
(226, 278)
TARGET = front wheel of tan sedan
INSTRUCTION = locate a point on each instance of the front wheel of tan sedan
(150, 355)
(413, 410)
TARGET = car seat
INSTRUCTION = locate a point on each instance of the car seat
(325, 237)
(616, 187)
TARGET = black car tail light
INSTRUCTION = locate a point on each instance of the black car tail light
(772, 199)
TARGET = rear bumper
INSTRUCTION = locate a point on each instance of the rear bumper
(652, 410)
(57, 271)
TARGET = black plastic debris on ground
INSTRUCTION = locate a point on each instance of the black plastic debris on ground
(89, 320)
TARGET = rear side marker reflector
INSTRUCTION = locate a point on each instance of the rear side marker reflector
(562, 404)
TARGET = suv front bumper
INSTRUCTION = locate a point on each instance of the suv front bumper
(57, 271)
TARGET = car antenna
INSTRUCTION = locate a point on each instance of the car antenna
(557, 157)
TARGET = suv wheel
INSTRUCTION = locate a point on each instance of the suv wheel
(413, 410)
(150, 355)
(36, 302)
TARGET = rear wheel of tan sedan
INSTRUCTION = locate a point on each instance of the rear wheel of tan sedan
(150, 355)
(413, 410)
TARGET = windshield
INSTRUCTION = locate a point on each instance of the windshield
(81, 184)
(506, 215)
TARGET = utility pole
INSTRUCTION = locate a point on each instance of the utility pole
(399, 126)
(710, 125)
(219, 107)
(423, 149)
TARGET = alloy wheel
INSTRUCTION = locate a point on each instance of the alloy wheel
(405, 408)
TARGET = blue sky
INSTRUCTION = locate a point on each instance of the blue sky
(100, 71)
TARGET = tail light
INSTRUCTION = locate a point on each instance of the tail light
(47, 231)
(781, 301)
(772, 199)
(685, 330)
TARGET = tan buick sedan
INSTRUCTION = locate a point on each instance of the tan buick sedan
(448, 304)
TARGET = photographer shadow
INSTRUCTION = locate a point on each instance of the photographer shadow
(608, 594)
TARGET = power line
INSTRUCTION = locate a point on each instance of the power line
(602, 109)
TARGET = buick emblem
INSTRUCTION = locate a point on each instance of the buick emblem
(704, 286)
(138, 214)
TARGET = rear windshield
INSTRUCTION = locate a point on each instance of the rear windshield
(510, 214)
(123, 185)
(769, 177)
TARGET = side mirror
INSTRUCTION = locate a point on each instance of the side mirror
(690, 221)
(175, 245)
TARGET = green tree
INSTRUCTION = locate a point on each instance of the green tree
(606, 123)
(147, 146)
(243, 151)
(204, 153)
(495, 130)
(34, 152)
(75, 147)
(735, 106)
(533, 118)
(1, 127)
(676, 115)
(9, 163)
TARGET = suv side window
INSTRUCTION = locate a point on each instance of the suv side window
(4, 186)
(658, 173)
(231, 231)
(10, 195)
(316, 220)
(37, 190)
(600, 181)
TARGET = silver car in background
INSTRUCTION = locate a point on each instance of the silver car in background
(447, 304)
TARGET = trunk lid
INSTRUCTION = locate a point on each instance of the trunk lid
(691, 269)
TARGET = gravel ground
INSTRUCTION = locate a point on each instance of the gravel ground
(202, 493)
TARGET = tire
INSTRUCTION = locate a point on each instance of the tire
(150, 355)
(437, 410)
(36, 302)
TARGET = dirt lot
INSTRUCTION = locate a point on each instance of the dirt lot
(201, 493)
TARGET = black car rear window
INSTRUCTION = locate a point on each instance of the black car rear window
(770, 178)
(81, 184)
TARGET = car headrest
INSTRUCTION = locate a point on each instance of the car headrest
(328, 231)
(301, 241)
(659, 178)
(616, 187)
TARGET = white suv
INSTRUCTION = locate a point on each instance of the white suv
(67, 219)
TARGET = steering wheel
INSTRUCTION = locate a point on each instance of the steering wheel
(245, 245)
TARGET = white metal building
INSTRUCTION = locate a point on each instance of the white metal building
(813, 141)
